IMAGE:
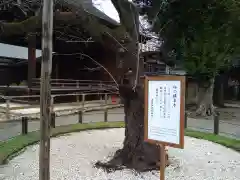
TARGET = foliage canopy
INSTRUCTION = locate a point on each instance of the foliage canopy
(203, 32)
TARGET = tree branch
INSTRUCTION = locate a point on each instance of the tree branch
(129, 15)
(77, 16)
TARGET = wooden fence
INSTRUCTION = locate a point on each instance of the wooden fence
(105, 100)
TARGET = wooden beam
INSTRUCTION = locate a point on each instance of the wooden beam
(31, 59)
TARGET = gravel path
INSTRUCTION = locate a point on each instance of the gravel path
(73, 156)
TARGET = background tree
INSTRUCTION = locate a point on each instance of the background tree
(204, 35)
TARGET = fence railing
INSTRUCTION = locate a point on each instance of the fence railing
(61, 86)
(228, 128)
(25, 120)
(81, 102)
(77, 83)
(9, 129)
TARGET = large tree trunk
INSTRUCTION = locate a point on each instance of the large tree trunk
(135, 154)
(205, 99)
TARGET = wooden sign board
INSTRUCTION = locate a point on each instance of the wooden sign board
(164, 110)
(164, 113)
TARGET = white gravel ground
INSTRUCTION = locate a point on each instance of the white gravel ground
(73, 156)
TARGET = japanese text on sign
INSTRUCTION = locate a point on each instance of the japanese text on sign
(164, 111)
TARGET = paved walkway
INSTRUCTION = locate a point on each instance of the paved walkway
(227, 128)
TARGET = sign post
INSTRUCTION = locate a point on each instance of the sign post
(164, 113)
(163, 162)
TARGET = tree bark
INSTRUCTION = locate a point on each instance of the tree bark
(205, 99)
(135, 154)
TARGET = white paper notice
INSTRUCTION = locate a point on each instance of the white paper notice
(164, 111)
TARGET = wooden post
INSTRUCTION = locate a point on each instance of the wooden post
(7, 109)
(31, 59)
(77, 95)
(185, 121)
(24, 125)
(45, 92)
(57, 71)
(53, 119)
(167, 69)
(216, 124)
(52, 103)
(106, 110)
(82, 109)
(163, 162)
(80, 116)
(83, 100)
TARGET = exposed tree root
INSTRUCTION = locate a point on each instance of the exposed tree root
(121, 160)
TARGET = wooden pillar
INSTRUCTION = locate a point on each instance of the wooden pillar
(45, 98)
(31, 59)
(167, 69)
(57, 70)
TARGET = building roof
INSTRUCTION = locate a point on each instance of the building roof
(16, 52)
(89, 7)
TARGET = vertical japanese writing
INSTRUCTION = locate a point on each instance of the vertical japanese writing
(164, 93)
(151, 108)
(164, 101)
(174, 96)
(169, 103)
(156, 95)
(164, 110)
(160, 101)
